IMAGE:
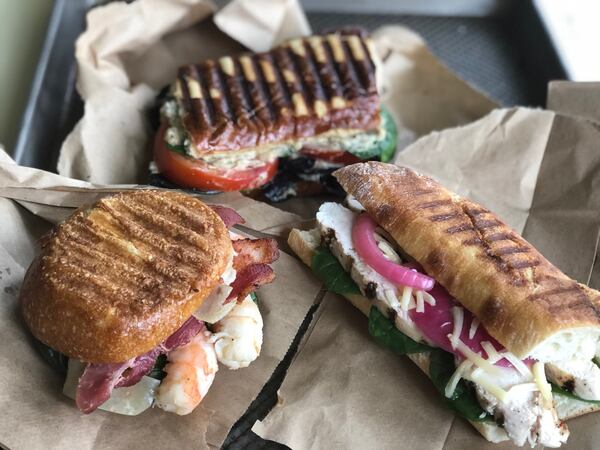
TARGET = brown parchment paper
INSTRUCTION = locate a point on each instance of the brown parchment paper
(540, 170)
(39, 415)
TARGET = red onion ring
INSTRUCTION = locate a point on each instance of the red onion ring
(363, 238)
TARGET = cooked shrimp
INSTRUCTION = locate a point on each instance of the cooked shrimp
(190, 372)
(238, 336)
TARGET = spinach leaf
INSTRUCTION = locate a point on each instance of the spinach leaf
(387, 335)
(388, 143)
(463, 401)
(57, 360)
(331, 272)
(560, 391)
(157, 371)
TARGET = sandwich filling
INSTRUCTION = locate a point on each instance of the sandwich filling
(479, 378)
(177, 373)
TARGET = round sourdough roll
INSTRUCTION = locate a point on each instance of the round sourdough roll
(117, 278)
(525, 302)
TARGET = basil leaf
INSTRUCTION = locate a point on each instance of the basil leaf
(463, 401)
(254, 297)
(57, 360)
(560, 391)
(157, 371)
(388, 143)
(387, 335)
(331, 272)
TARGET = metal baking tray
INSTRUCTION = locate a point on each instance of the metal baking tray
(501, 47)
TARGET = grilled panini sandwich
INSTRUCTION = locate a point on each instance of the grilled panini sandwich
(124, 293)
(507, 338)
(226, 123)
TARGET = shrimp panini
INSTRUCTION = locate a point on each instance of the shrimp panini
(508, 339)
(133, 298)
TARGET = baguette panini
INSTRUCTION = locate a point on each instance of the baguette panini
(493, 275)
(525, 302)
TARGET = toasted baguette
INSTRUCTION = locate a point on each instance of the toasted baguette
(526, 303)
(117, 278)
(301, 88)
(305, 243)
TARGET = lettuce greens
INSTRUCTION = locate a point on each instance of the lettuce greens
(331, 272)
(387, 335)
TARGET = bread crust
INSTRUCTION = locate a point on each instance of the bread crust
(117, 278)
(518, 295)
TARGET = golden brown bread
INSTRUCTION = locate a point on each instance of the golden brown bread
(525, 302)
(301, 88)
(117, 278)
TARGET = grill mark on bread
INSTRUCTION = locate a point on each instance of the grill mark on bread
(228, 107)
(286, 94)
(264, 88)
(435, 203)
(337, 86)
(460, 228)
(170, 239)
(444, 217)
(499, 236)
(504, 251)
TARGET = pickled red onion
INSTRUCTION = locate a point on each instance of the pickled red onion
(363, 238)
(437, 322)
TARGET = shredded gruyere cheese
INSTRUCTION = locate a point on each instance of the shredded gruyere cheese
(391, 298)
(473, 327)
(522, 388)
(420, 302)
(540, 380)
(406, 297)
(476, 358)
(490, 386)
(459, 316)
(492, 353)
(517, 364)
(456, 376)
(428, 298)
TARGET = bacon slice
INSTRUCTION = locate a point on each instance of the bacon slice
(227, 215)
(253, 251)
(98, 380)
(249, 279)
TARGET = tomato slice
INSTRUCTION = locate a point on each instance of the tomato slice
(193, 173)
(333, 156)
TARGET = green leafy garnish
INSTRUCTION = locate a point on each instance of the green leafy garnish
(254, 297)
(331, 272)
(560, 391)
(463, 401)
(388, 143)
(387, 335)
(157, 371)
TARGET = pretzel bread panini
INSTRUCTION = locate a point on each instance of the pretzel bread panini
(131, 280)
(313, 98)
(507, 338)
